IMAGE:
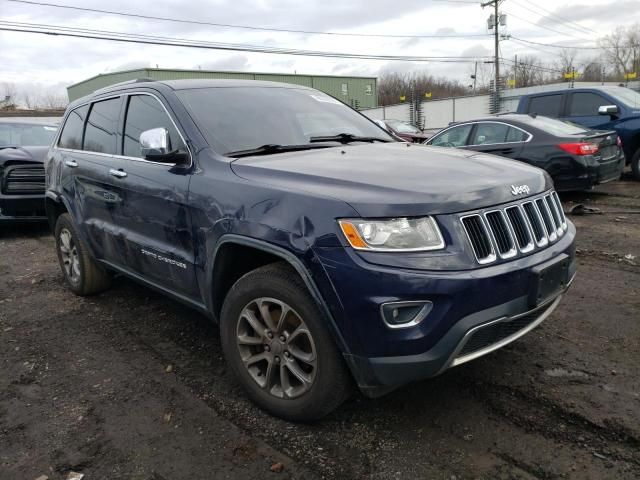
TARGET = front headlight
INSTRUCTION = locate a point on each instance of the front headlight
(393, 235)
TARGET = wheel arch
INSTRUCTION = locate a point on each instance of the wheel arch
(225, 272)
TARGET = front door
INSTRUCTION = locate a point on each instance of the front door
(155, 221)
(582, 108)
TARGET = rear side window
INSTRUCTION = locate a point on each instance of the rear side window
(102, 126)
(548, 105)
(490, 133)
(71, 135)
(454, 137)
(144, 113)
(586, 103)
(516, 135)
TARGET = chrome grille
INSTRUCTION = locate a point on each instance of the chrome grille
(24, 180)
(515, 228)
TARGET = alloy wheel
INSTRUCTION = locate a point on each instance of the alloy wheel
(276, 348)
(69, 255)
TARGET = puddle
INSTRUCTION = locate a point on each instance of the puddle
(561, 372)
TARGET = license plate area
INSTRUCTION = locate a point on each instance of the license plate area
(549, 279)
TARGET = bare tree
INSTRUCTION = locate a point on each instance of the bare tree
(622, 49)
(8, 95)
(393, 85)
(53, 100)
(529, 71)
(31, 100)
(566, 60)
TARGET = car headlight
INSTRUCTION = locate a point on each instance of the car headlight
(393, 235)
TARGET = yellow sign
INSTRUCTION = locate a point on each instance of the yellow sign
(427, 95)
(571, 75)
(402, 98)
(511, 82)
(630, 76)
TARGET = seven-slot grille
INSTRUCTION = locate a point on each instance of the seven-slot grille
(24, 179)
(503, 232)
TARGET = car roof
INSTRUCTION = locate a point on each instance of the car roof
(186, 84)
(521, 118)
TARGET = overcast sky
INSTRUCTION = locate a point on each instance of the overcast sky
(48, 62)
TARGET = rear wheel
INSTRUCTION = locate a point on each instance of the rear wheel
(635, 165)
(81, 272)
(277, 343)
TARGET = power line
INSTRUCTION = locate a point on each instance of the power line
(554, 45)
(548, 28)
(76, 32)
(552, 16)
(244, 27)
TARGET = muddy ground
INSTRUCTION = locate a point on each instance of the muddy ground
(129, 384)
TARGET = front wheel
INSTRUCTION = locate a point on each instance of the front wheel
(277, 343)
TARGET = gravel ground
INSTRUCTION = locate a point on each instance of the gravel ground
(129, 384)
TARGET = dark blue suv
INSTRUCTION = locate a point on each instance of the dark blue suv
(329, 254)
(601, 108)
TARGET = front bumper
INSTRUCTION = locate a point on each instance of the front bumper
(22, 208)
(474, 312)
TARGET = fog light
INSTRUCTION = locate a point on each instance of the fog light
(405, 314)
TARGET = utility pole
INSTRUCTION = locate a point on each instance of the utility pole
(494, 23)
(475, 77)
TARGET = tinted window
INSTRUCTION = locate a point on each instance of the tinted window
(241, 118)
(548, 105)
(516, 135)
(25, 134)
(145, 113)
(586, 103)
(454, 137)
(102, 126)
(490, 133)
(71, 136)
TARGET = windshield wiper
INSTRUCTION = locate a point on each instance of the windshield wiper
(347, 138)
(270, 149)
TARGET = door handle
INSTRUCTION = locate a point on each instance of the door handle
(117, 173)
(71, 163)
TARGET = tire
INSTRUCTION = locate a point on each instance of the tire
(635, 165)
(81, 272)
(310, 351)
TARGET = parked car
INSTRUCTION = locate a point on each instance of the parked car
(327, 259)
(23, 147)
(404, 130)
(576, 158)
(602, 108)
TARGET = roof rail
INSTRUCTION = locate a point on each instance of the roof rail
(127, 82)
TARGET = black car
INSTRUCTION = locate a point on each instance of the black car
(23, 147)
(576, 157)
(329, 259)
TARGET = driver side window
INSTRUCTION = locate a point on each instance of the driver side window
(144, 113)
(454, 137)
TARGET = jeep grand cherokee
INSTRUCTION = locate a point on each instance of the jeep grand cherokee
(329, 254)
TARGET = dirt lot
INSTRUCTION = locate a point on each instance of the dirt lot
(131, 385)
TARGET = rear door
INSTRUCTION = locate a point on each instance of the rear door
(582, 108)
(154, 221)
(90, 179)
(497, 138)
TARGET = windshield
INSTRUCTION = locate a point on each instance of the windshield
(402, 127)
(241, 118)
(556, 127)
(26, 135)
(627, 96)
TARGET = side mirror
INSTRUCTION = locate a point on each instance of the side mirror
(155, 145)
(608, 110)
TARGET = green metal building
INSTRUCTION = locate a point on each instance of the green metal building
(359, 92)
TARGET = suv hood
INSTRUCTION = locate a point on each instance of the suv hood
(397, 179)
(22, 154)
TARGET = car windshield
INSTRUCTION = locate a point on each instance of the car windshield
(627, 96)
(26, 134)
(241, 118)
(402, 127)
(555, 127)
